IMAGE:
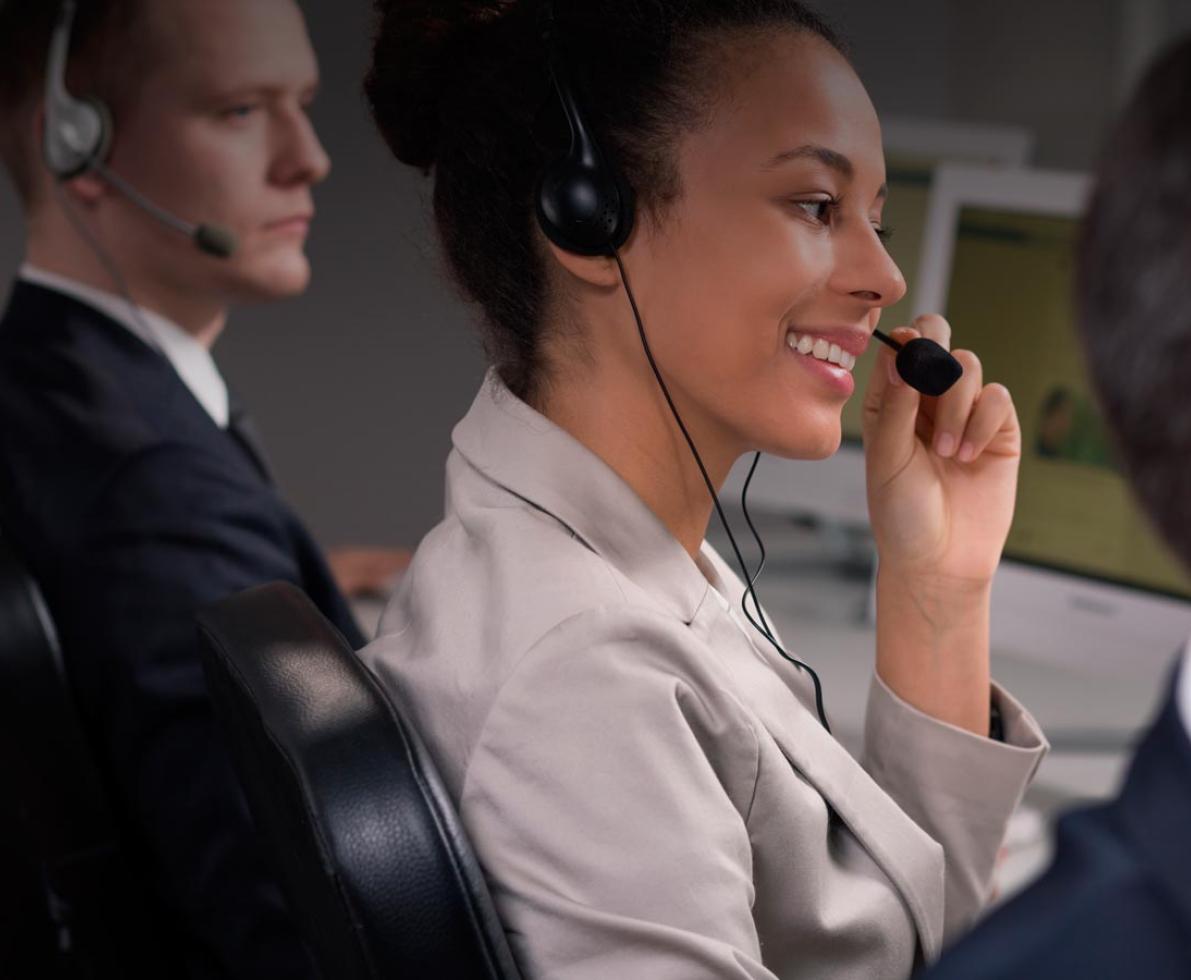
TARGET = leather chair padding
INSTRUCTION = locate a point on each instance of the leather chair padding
(371, 854)
(76, 906)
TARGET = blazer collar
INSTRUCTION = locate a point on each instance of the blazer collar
(130, 386)
(911, 858)
(523, 451)
(189, 358)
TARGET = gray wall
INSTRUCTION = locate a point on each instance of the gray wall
(357, 384)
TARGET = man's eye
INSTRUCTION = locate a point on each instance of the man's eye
(241, 111)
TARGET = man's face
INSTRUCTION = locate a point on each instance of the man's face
(218, 134)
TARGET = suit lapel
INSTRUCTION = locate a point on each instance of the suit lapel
(242, 428)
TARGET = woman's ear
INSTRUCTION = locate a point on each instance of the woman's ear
(595, 270)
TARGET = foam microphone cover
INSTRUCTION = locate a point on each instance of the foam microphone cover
(215, 240)
(927, 367)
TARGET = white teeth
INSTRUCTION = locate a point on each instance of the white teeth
(820, 349)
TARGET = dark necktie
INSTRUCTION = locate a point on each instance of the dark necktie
(243, 429)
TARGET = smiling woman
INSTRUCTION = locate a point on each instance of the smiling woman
(644, 778)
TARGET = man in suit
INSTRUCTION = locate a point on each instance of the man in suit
(1116, 902)
(130, 479)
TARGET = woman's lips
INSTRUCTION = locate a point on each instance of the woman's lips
(832, 375)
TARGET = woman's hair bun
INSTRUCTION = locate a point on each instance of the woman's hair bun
(421, 50)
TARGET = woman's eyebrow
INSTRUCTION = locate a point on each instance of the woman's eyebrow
(829, 158)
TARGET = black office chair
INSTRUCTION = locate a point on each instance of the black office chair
(71, 904)
(371, 854)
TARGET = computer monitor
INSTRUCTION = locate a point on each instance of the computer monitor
(833, 489)
(1085, 579)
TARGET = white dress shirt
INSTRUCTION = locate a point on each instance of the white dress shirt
(189, 358)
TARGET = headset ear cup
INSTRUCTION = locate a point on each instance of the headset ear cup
(627, 199)
(78, 134)
(583, 203)
(584, 209)
(107, 130)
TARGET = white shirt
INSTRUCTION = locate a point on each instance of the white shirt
(189, 358)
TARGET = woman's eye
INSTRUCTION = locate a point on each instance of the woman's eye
(819, 210)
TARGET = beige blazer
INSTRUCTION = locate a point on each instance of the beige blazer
(644, 780)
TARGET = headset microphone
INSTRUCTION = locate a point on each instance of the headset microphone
(213, 239)
(923, 364)
(78, 136)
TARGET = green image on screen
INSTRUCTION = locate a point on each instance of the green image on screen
(1009, 300)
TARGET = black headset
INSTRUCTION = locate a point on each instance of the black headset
(585, 206)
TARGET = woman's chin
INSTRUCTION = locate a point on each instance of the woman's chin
(824, 446)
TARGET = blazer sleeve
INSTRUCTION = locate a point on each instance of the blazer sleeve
(607, 798)
(173, 532)
(959, 787)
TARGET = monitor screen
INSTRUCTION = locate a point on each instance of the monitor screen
(1009, 299)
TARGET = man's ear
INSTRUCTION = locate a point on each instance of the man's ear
(595, 270)
(87, 188)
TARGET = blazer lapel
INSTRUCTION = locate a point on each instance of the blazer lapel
(242, 428)
(911, 858)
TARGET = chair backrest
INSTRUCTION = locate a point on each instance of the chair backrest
(370, 852)
(59, 835)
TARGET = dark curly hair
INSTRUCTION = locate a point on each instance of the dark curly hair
(461, 88)
(1134, 291)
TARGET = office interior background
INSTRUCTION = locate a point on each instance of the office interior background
(356, 385)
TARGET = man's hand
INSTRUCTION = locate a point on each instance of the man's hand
(368, 571)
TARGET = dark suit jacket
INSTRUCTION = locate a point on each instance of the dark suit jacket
(1116, 902)
(134, 509)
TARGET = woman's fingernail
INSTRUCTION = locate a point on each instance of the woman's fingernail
(967, 453)
(945, 444)
(895, 379)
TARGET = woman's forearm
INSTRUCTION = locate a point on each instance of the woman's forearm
(932, 646)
